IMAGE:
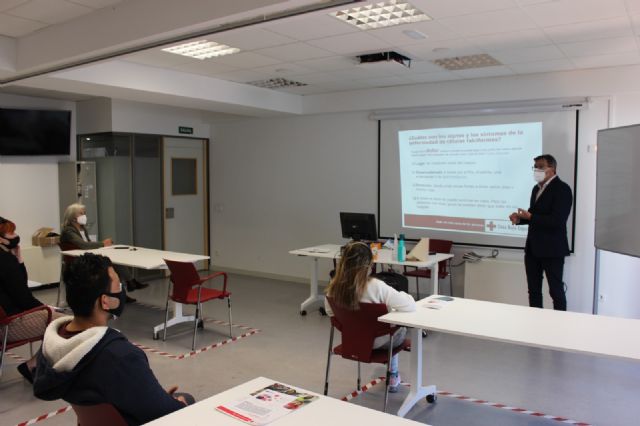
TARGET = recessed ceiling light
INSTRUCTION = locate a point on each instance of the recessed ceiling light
(380, 15)
(201, 49)
(276, 83)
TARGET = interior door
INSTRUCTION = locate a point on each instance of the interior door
(185, 197)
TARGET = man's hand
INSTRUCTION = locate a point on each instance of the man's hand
(524, 214)
(180, 398)
(513, 217)
(2, 244)
(108, 242)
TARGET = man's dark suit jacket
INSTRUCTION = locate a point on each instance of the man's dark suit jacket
(547, 235)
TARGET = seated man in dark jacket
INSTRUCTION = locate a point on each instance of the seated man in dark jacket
(85, 362)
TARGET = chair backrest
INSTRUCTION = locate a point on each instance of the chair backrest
(359, 328)
(65, 247)
(183, 276)
(441, 246)
(40, 316)
(98, 415)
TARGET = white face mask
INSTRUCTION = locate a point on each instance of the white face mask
(82, 219)
(538, 175)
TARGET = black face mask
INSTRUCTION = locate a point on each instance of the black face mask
(13, 242)
(122, 296)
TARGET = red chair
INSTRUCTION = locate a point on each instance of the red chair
(5, 323)
(98, 415)
(65, 261)
(444, 267)
(359, 329)
(187, 289)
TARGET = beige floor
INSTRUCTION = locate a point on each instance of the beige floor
(292, 349)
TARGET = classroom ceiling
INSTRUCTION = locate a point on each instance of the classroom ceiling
(319, 51)
(525, 36)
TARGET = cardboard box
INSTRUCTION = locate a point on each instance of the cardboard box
(39, 238)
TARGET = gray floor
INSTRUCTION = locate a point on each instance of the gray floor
(292, 349)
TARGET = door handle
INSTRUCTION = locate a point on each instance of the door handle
(169, 213)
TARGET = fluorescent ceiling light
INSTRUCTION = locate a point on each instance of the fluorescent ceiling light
(380, 15)
(201, 49)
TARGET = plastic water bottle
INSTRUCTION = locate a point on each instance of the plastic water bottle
(401, 249)
(394, 251)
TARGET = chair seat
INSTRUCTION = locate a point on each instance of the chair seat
(380, 356)
(425, 273)
(205, 295)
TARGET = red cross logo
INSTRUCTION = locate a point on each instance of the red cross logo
(491, 226)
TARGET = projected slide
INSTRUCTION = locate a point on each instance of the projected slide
(468, 179)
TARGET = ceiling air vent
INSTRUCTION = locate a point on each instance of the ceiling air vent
(457, 63)
(276, 83)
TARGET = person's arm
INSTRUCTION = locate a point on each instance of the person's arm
(560, 209)
(16, 287)
(135, 390)
(394, 299)
(72, 236)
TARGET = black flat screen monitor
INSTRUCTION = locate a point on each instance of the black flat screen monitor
(34, 132)
(359, 226)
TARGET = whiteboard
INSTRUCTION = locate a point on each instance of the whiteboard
(617, 190)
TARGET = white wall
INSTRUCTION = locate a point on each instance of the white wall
(279, 184)
(30, 184)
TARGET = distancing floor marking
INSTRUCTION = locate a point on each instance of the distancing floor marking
(559, 419)
(15, 356)
(46, 416)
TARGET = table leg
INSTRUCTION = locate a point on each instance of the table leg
(434, 277)
(417, 391)
(177, 318)
(314, 298)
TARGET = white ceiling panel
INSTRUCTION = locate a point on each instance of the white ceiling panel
(397, 37)
(571, 11)
(12, 26)
(284, 70)
(527, 54)
(206, 67)
(303, 90)
(49, 11)
(628, 58)
(295, 52)
(490, 23)
(246, 60)
(242, 76)
(604, 28)
(157, 57)
(635, 20)
(388, 81)
(319, 78)
(432, 77)
(442, 49)
(600, 47)
(328, 64)
(633, 6)
(343, 85)
(421, 67)
(312, 26)
(10, 4)
(497, 71)
(512, 40)
(351, 44)
(543, 66)
(250, 38)
(444, 8)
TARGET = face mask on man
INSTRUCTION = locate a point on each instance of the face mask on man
(13, 242)
(538, 175)
(82, 220)
(122, 296)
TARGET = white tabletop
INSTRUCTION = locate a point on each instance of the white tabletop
(544, 328)
(325, 411)
(332, 251)
(139, 257)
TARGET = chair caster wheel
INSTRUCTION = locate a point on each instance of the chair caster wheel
(201, 324)
(155, 336)
(432, 398)
(303, 313)
(323, 312)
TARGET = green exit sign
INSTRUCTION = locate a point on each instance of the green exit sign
(183, 130)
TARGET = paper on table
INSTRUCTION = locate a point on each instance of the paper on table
(437, 302)
(420, 252)
(267, 404)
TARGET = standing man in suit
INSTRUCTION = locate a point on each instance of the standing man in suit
(547, 243)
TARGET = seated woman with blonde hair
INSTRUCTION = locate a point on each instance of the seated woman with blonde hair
(352, 285)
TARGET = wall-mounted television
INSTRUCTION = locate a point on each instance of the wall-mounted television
(34, 132)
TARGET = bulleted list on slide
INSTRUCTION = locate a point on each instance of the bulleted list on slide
(468, 179)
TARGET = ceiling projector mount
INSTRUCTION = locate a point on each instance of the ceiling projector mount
(385, 59)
